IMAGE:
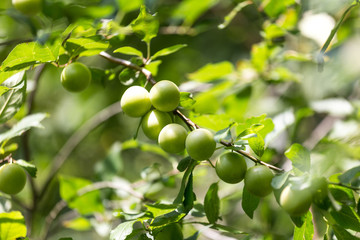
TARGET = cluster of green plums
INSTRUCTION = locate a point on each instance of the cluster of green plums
(295, 199)
(12, 178)
(155, 108)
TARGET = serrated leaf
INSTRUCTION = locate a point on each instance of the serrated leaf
(189, 195)
(212, 71)
(87, 203)
(12, 225)
(159, 209)
(342, 234)
(122, 231)
(168, 218)
(129, 51)
(257, 144)
(85, 46)
(128, 6)
(145, 25)
(25, 55)
(224, 134)
(300, 158)
(168, 51)
(279, 180)
(12, 100)
(186, 100)
(212, 203)
(249, 202)
(347, 218)
(23, 125)
(153, 67)
(30, 168)
(184, 163)
(230, 16)
(350, 175)
(306, 231)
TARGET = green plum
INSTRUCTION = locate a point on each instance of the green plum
(231, 167)
(165, 96)
(12, 178)
(172, 138)
(75, 77)
(135, 102)
(153, 122)
(200, 144)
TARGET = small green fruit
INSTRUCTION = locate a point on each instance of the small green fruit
(135, 101)
(296, 202)
(165, 96)
(200, 144)
(231, 167)
(12, 178)
(28, 7)
(153, 122)
(75, 77)
(258, 180)
(170, 232)
(172, 138)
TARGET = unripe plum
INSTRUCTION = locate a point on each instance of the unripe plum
(200, 144)
(165, 96)
(12, 178)
(153, 122)
(172, 138)
(135, 102)
(258, 180)
(231, 167)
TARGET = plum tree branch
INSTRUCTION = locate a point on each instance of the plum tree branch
(188, 121)
(76, 138)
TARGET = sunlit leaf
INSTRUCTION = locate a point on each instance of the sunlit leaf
(212, 203)
(168, 50)
(129, 51)
(299, 156)
(30, 168)
(212, 71)
(145, 25)
(12, 225)
(306, 231)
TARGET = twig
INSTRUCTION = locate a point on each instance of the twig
(129, 64)
(356, 189)
(76, 138)
(252, 158)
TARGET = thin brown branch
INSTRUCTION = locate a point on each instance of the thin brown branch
(188, 122)
(129, 64)
(252, 158)
(76, 138)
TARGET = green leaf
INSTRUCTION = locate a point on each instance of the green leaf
(300, 158)
(279, 180)
(78, 224)
(342, 195)
(159, 209)
(12, 225)
(184, 163)
(306, 231)
(257, 144)
(25, 55)
(168, 218)
(85, 46)
(190, 10)
(3, 90)
(168, 50)
(87, 203)
(153, 67)
(215, 122)
(129, 51)
(12, 100)
(212, 203)
(274, 8)
(145, 25)
(265, 125)
(23, 125)
(224, 134)
(122, 230)
(186, 100)
(189, 195)
(194, 236)
(212, 71)
(350, 175)
(249, 203)
(230, 16)
(184, 180)
(347, 218)
(342, 234)
(128, 6)
(30, 168)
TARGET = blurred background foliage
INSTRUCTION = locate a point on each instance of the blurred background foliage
(262, 61)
